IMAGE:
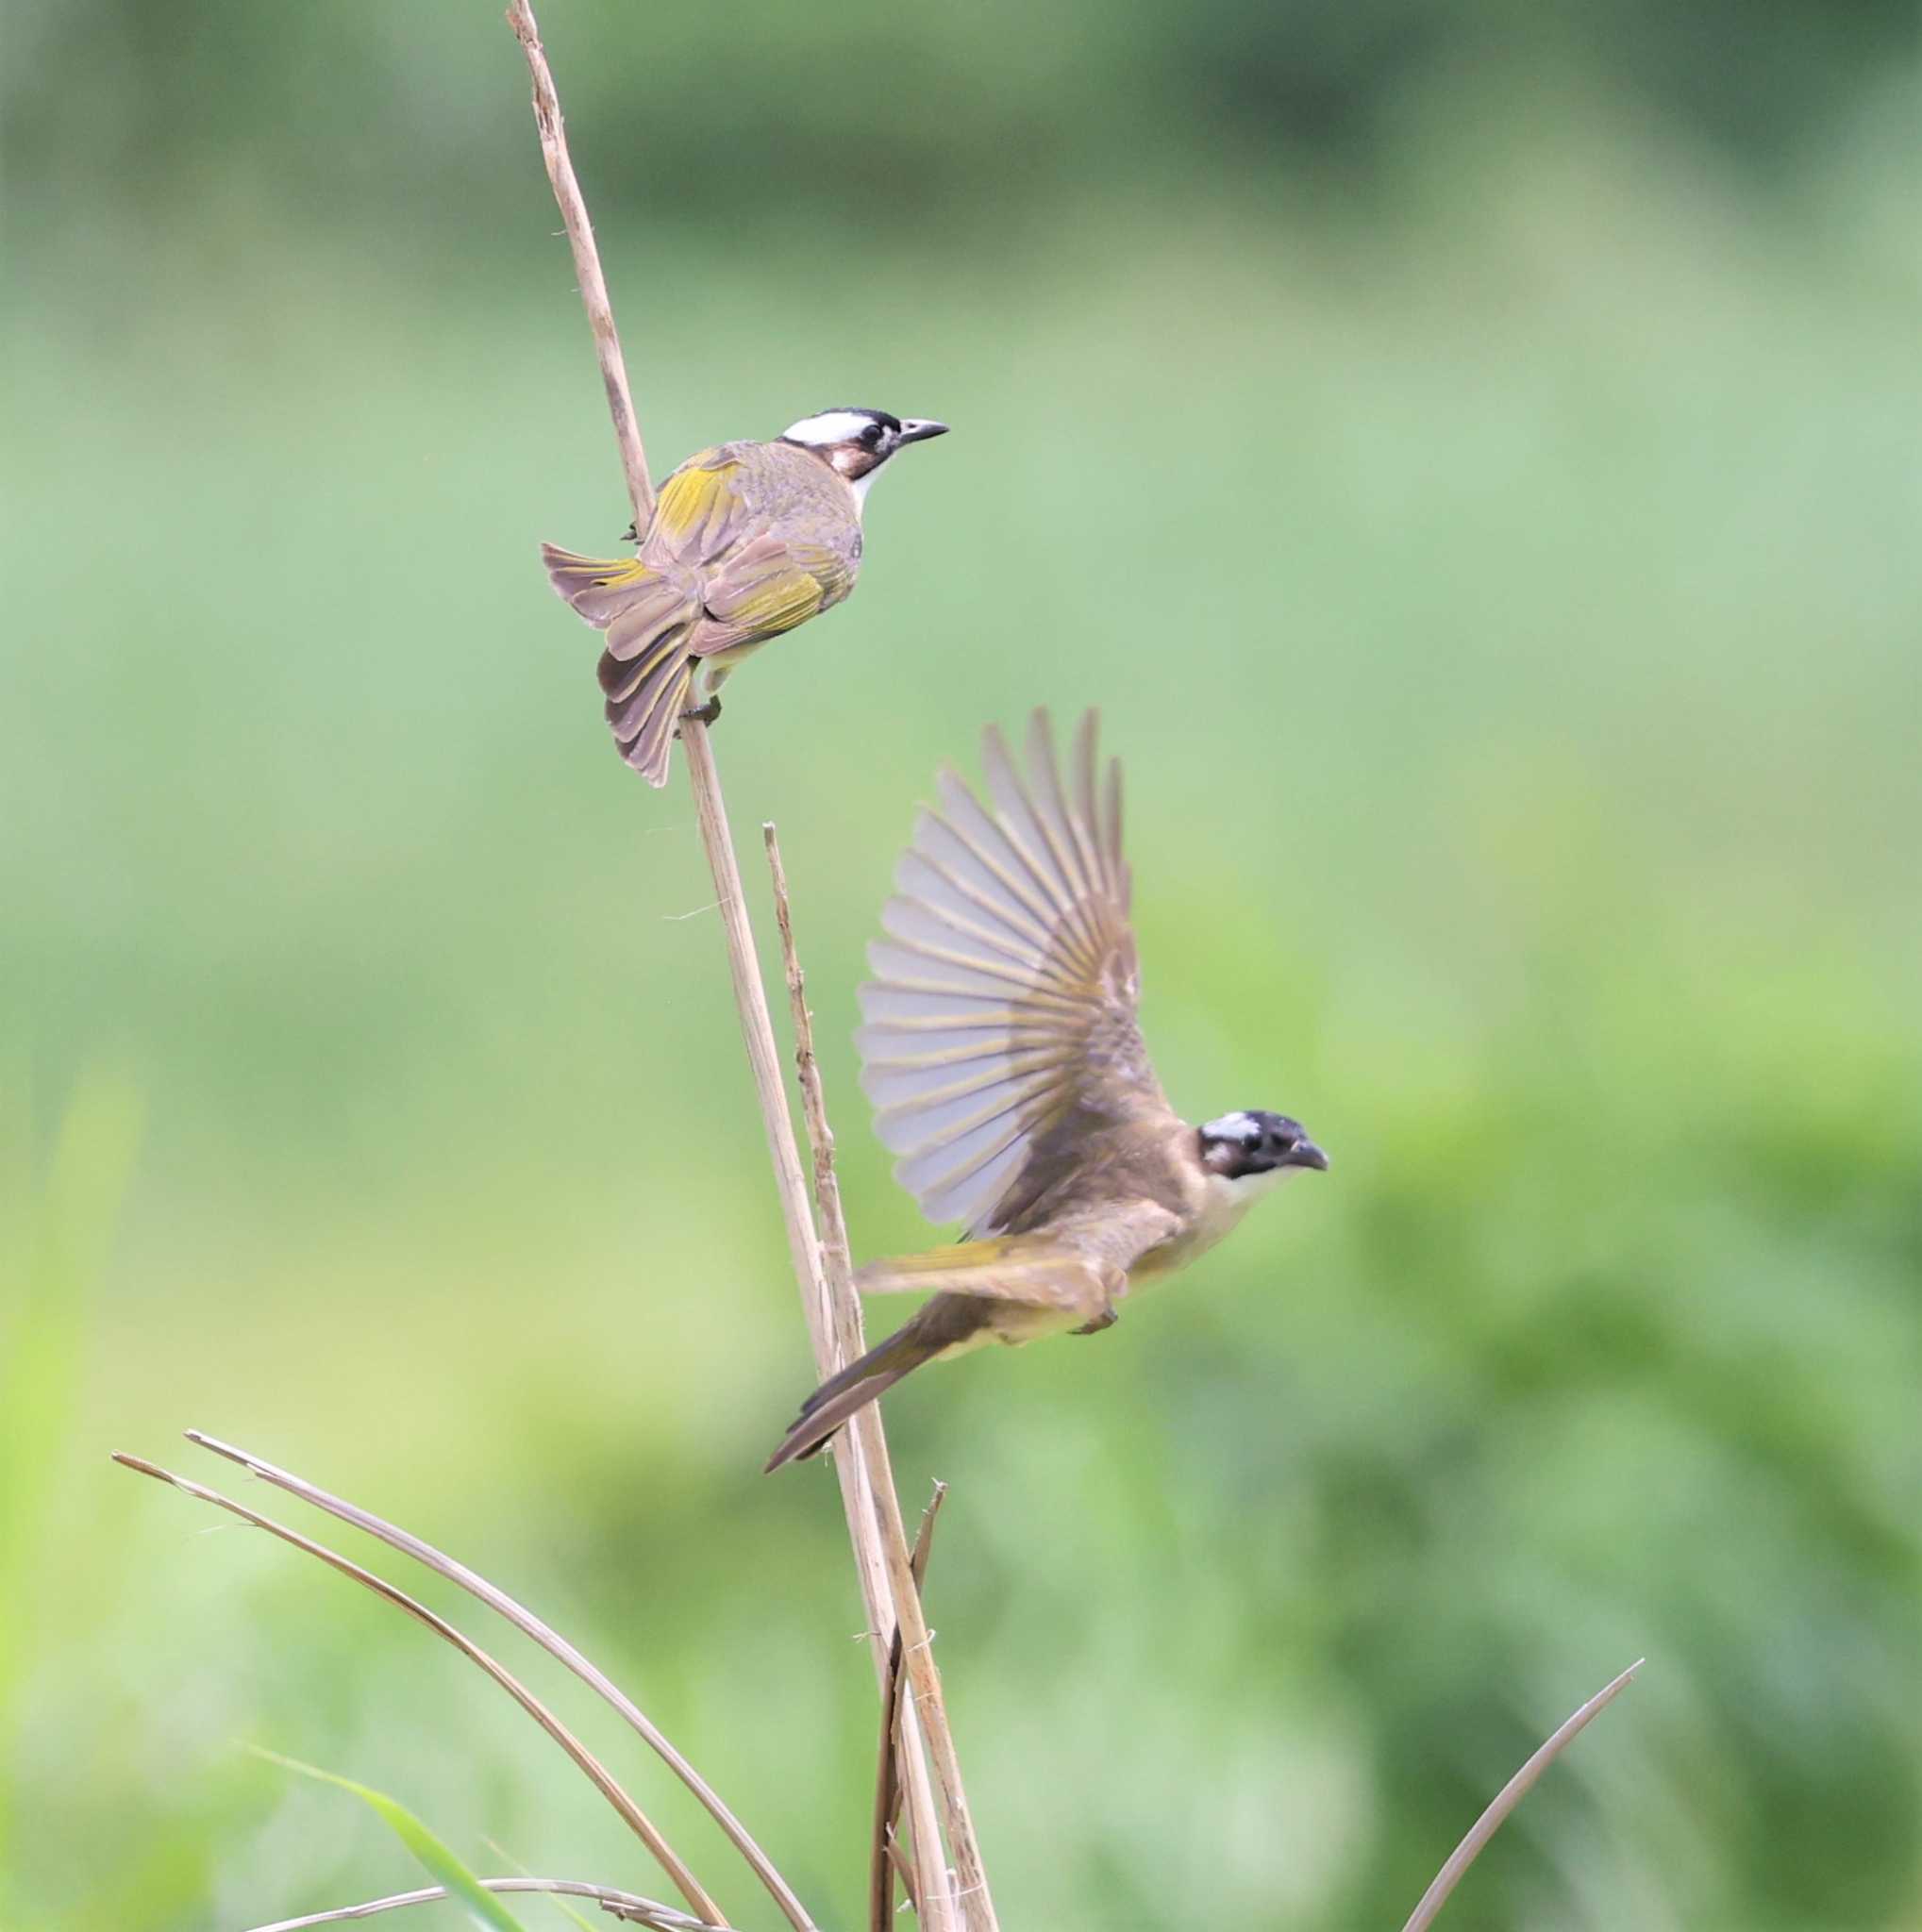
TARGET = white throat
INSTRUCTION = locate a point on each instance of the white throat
(859, 487)
(1237, 1195)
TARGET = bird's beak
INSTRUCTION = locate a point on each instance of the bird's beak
(1306, 1154)
(919, 429)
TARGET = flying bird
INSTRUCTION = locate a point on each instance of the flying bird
(747, 539)
(1002, 1052)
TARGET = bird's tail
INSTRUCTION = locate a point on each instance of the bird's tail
(853, 1389)
(646, 667)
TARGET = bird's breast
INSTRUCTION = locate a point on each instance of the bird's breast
(1219, 1206)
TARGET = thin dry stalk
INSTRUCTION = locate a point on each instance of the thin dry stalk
(860, 1490)
(924, 1678)
(881, 1865)
(872, 1511)
(596, 1772)
(587, 264)
(1506, 1799)
(549, 1640)
(629, 1906)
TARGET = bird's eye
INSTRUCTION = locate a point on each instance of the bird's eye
(871, 435)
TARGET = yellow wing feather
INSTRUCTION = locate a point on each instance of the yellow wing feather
(695, 506)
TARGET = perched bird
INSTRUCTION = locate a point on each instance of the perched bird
(747, 541)
(1007, 1071)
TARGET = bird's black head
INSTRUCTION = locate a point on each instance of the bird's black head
(1239, 1145)
(858, 441)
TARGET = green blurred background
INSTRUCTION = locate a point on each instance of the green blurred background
(1469, 450)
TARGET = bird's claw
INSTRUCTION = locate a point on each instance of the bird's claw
(1094, 1325)
(707, 713)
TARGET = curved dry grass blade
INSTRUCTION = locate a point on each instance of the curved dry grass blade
(561, 1904)
(1506, 1800)
(626, 1905)
(550, 1640)
(592, 1768)
(887, 1773)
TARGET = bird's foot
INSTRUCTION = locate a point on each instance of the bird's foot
(707, 713)
(1094, 1325)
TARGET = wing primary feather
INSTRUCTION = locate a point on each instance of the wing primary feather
(1027, 836)
(1058, 825)
(1085, 760)
(888, 1077)
(886, 1035)
(1013, 1069)
(941, 1080)
(895, 1086)
(924, 1124)
(922, 877)
(1039, 1006)
(944, 846)
(979, 834)
(1077, 900)
(1022, 979)
(1082, 824)
(1111, 818)
(908, 917)
(900, 1006)
(961, 1149)
(967, 1192)
(1006, 1050)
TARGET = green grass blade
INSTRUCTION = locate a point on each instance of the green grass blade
(436, 1857)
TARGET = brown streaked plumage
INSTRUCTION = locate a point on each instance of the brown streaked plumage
(747, 541)
(1009, 1077)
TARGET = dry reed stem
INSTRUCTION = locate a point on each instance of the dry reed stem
(881, 1865)
(858, 1487)
(586, 263)
(542, 1633)
(1506, 1799)
(864, 1426)
(595, 1771)
(629, 1906)
(874, 1517)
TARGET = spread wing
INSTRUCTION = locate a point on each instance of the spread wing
(1080, 1266)
(1002, 1010)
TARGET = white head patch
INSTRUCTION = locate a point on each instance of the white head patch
(830, 426)
(1243, 1128)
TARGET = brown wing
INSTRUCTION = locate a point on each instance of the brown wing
(767, 586)
(702, 508)
(1080, 1266)
(748, 523)
(1002, 1010)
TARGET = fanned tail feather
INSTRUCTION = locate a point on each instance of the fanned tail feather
(645, 698)
(599, 588)
(645, 670)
